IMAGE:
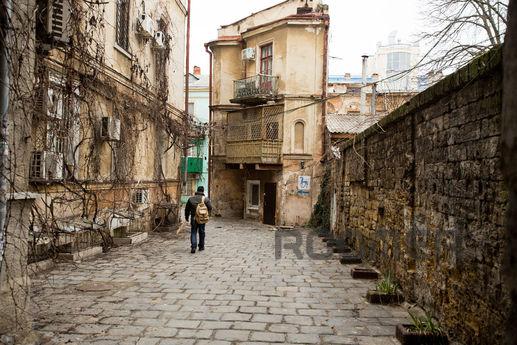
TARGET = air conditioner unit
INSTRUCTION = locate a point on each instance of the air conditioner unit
(145, 26)
(159, 40)
(110, 128)
(46, 166)
(141, 196)
(248, 54)
(58, 20)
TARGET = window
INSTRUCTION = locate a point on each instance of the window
(272, 131)
(253, 194)
(122, 34)
(299, 137)
(266, 59)
(398, 61)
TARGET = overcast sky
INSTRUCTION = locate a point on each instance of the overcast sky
(356, 26)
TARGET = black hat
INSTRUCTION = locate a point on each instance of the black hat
(201, 189)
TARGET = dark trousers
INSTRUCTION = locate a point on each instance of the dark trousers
(195, 227)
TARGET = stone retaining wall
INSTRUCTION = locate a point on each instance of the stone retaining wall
(421, 195)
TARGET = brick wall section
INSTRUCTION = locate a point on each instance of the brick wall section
(423, 197)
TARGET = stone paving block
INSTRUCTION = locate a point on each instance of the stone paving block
(258, 326)
(284, 328)
(299, 320)
(303, 338)
(236, 317)
(183, 323)
(215, 325)
(90, 329)
(269, 337)
(267, 318)
(232, 335)
(195, 333)
(125, 330)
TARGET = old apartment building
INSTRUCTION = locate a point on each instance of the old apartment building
(107, 121)
(269, 79)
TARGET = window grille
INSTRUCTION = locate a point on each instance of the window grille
(122, 28)
(37, 165)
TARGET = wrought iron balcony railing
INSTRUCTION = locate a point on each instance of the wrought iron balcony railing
(256, 89)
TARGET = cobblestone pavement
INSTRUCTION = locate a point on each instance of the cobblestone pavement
(235, 292)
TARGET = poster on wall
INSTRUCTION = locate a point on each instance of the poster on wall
(304, 185)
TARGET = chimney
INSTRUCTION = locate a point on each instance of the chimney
(197, 71)
(375, 77)
(348, 76)
(304, 10)
(363, 88)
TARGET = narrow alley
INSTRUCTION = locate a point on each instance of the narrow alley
(235, 292)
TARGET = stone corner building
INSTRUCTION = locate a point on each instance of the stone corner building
(269, 79)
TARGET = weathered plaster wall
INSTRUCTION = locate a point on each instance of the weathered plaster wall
(425, 199)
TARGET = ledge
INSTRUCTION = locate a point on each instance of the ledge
(476, 69)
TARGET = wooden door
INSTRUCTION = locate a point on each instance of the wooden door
(270, 204)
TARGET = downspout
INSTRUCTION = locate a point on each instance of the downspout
(5, 15)
(210, 119)
(324, 83)
(186, 119)
(363, 87)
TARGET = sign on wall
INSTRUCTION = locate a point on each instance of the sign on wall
(304, 185)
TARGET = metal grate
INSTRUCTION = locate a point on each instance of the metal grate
(122, 32)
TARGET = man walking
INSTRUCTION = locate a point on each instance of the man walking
(197, 209)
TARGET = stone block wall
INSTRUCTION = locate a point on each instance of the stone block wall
(422, 196)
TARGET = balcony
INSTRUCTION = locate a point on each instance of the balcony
(255, 136)
(255, 90)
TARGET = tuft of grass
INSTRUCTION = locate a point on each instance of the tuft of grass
(425, 324)
(387, 285)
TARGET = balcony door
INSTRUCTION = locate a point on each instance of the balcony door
(266, 68)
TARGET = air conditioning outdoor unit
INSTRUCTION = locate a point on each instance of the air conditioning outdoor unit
(110, 128)
(46, 166)
(145, 26)
(159, 40)
(58, 20)
(248, 54)
(141, 196)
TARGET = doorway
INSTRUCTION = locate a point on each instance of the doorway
(270, 203)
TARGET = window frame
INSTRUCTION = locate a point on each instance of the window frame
(123, 9)
(249, 195)
(266, 61)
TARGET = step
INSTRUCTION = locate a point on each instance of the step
(131, 240)
(81, 255)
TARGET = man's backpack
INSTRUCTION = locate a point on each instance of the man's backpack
(202, 212)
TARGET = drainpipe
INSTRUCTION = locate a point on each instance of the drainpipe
(363, 88)
(186, 120)
(5, 14)
(210, 120)
(324, 83)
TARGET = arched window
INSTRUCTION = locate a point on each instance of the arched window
(299, 137)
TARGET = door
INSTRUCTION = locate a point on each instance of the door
(270, 204)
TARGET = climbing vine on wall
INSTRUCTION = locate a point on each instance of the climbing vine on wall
(320, 218)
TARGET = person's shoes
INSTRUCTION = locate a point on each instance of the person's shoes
(201, 248)
(193, 250)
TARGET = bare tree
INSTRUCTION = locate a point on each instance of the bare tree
(459, 30)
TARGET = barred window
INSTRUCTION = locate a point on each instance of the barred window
(122, 35)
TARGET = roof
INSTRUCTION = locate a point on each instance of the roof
(341, 123)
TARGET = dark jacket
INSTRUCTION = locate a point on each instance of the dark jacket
(193, 201)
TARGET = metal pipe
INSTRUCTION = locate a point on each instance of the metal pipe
(186, 120)
(373, 105)
(324, 81)
(210, 120)
(363, 88)
(5, 15)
